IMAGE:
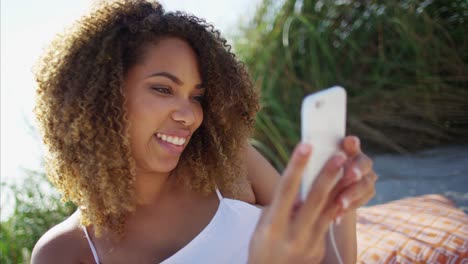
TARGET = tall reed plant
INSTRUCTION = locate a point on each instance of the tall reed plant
(403, 64)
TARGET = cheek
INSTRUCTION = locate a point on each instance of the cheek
(144, 117)
(199, 116)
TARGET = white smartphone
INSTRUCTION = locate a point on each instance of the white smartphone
(323, 125)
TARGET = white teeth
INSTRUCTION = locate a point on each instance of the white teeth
(172, 139)
(181, 141)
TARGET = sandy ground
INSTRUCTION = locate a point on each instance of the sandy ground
(436, 171)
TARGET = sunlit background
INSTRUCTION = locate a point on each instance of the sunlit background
(26, 28)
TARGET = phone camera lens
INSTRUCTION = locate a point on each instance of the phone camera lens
(318, 104)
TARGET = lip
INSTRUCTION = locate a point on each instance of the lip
(178, 133)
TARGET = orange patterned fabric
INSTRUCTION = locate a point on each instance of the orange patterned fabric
(426, 229)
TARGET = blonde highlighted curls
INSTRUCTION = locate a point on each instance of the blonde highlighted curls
(81, 107)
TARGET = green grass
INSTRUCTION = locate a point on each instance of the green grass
(403, 63)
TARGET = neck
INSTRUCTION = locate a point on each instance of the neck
(150, 187)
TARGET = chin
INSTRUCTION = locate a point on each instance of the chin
(165, 166)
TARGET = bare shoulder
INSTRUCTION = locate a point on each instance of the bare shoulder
(62, 243)
(262, 176)
(258, 186)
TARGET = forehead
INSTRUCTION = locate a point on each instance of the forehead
(169, 54)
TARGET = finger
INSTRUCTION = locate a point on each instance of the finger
(318, 196)
(354, 169)
(349, 176)
(352, 173)
(373, 178)
(329, 214)
(351, 145)
(358, 193)
(328, 217)
(286, 192)
(357, 203)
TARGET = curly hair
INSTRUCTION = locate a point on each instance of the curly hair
(81, 109)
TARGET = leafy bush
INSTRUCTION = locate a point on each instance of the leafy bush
(37, 208)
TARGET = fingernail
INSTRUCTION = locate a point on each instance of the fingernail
(357, 142)
(338, 220)
(345, 203)
(304, 148)
(357, 173)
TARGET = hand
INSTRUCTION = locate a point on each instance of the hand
(291, 232)
(357, 186)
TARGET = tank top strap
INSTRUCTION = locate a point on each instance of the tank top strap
(220, 197)
(91, 245)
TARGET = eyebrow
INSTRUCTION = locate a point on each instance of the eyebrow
(172, 78)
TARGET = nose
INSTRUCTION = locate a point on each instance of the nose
(184, 114)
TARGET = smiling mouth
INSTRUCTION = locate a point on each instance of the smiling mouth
(178, 141)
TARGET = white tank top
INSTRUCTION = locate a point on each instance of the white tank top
(224, 240)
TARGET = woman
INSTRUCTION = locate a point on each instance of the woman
(146, 117)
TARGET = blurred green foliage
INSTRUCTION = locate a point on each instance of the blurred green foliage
(37, 207)
(403, 64)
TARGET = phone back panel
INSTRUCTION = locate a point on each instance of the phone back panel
(323, 125)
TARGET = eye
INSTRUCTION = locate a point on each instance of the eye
(161, 89)
(199, 98)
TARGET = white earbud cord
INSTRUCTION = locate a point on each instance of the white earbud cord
(331, 232)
